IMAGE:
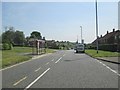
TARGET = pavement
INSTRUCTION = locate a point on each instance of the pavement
(110, 59)
(62, 69)
(115, 60)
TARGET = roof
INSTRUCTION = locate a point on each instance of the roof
(108, 35)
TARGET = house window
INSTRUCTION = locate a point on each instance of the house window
(115, 37)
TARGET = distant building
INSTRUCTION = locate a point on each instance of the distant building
(50, 43)
(109, 38)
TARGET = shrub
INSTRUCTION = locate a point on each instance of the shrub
(6, 46)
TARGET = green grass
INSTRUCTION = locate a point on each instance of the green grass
(10, 57)
(101, 53)
(50, 50)
(16, 55)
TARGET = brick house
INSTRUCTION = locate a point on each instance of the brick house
(109, 38)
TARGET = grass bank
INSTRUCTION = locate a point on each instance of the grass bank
(101, 53)
(17, 54)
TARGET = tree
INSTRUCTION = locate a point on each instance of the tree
(19, 38)
(7, 39)
(36, 35)
(44, 38)
(8, 36)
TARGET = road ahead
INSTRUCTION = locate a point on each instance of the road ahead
(63, 69)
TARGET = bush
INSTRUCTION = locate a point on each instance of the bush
(7, 46)
(109, 47)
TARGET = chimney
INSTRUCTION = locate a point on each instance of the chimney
(113, 30)
(107, 32)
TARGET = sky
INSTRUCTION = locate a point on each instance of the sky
(61, 20)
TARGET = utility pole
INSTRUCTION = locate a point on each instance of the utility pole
(96, 27)
(81, 33)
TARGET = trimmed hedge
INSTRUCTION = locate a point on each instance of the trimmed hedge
(106, 47)
(110, 47)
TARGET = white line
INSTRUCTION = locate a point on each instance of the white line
(38, 69)
(103, 64)
(21, 63)
(109, 68)
(63, 55)
(118, 74)
(19, 81)
(52, 60)
(47, 63)
(58, 60)
(36, 79)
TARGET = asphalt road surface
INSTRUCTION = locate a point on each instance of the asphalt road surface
(63, 69)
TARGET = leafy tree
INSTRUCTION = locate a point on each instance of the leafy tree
(19, 38)
(44, 38)
(13, 37)
(7, 37)
(36, 35)
(27, 41)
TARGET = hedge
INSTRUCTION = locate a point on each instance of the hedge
(110, 47)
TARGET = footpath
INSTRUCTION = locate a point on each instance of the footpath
(115, 60)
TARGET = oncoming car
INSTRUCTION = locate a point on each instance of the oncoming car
(80, 48)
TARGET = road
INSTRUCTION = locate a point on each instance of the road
(63, 69)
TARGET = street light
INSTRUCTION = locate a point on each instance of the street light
(96, 27)
(81, 33)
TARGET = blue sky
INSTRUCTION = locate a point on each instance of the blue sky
(60, 20)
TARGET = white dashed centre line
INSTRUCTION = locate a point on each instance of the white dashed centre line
(47, 63)
(19, 81)
(36, 79)
(38, 69)
(52, 60)
(63, 55)
(58, 60)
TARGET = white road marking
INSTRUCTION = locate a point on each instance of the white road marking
(109, 68)
(47, 63)
(38, 69)
(52, 60)
(19, 81)
(63, 55)
(58, 60)
(36, 79)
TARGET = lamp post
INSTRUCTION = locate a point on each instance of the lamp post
(96, 27)
(81, 33)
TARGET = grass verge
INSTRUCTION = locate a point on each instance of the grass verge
(101, 53)
(16, 55)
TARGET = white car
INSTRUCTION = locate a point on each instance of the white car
(80, 48)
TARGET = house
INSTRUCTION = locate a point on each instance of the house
(109, 38)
